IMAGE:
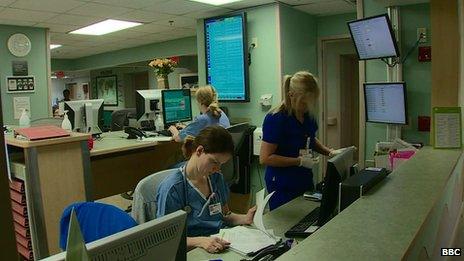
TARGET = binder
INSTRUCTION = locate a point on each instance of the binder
(20, 220)
(17, 185)
(18, 197)
(21, 230)
(24, 252)
(41, 132)
(20, 209)
(26, 243)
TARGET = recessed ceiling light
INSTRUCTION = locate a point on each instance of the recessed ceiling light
(216, 2)
(105, 27)
(53, 46)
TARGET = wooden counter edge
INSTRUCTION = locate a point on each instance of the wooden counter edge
(10, 140)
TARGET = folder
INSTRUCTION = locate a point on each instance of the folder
(18, 197)
(22, 230)
(20, 209)
(26, 243)
(20, 219)
(41, 132)
(17, 185)
(24, 252)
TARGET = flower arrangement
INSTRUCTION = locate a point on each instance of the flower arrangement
(163, 67)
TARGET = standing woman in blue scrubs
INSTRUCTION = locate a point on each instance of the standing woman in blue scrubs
(200, 189)
(289, 131)
(210, 115)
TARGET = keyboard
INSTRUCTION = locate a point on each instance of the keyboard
(299, 230)
(166, 133)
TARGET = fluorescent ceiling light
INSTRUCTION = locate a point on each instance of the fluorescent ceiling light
(105, 27)
(53, 46)
(216, 2)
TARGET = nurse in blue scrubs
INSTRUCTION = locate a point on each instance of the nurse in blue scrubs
(289, 135)
(210, 115)
(200, 189)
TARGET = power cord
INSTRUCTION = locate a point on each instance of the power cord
(397, 60)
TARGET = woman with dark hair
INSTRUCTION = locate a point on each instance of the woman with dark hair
(200, 189)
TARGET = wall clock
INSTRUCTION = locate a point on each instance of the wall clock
(19, 45)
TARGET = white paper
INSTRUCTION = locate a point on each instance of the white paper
(7, 158)
(159, 138)
(261, 203)
(20, 103)
(448, 130)
(245, 240)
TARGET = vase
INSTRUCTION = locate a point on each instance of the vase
(163, 82)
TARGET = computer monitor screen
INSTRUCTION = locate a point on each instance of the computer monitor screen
(226, 57)
(386, 102)
(159, 239)
(374, 37)
(85, 115)
(177, 106)
(146, 102)
(338, 169)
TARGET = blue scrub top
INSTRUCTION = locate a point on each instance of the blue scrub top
(170, 198)
(290, 136)
(202, 121)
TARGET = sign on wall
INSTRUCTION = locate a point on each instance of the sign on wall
(19, 84)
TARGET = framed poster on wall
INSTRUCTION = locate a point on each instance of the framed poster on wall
(107, 89)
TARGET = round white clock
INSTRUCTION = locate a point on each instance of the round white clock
(19, 45)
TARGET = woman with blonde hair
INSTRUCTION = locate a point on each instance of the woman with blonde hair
(210, 115)
(199, 188)
(289, 137)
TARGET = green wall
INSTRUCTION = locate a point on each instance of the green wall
(332, 25)
(264, 70)
(37, 64)
(415, 74)
(184, 46)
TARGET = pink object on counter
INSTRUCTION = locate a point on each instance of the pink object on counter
(398, 157)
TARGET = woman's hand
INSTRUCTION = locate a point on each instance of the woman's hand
(248, 218)
(213, 244)
(173, 130)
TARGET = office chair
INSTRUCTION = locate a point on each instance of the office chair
(144, 197)
(96, 220)
(120, 118)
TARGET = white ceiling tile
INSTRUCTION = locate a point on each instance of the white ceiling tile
(68, 19)
(99, 10)
(68, 37)
(180, 32)
(136, 4)
(143, 16)
(177, 7)
(151, 28)
(57, 28)
(179, 21)
(302, 2)
(247, 3)
(57, 6)
(25, 15)
(328, 8)
(6, 2)
(208, 13)
(16, 22)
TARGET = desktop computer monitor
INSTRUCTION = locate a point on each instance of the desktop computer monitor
(338, 169)
(147, 102)
(386, 102)
(85, 115)
(159, 239)
(176, 106)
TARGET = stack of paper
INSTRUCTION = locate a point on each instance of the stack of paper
(245, 240)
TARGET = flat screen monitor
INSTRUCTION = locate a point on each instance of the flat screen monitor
(146, 102)
(337, 170)
(374, 37)
(176, 106)
(159, 239)
(85, 115)
(386, 102)
(226, 57)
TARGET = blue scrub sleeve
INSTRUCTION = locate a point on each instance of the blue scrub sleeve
(193, 128)
(169, 201)
(272, 128)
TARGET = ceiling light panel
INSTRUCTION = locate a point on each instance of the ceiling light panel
(105, 27)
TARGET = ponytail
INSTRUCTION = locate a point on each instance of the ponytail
(214, 109)
(207, 96)
(286, 103)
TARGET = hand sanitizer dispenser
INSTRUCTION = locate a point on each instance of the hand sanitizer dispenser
(66, 124)
(24, 120)
(266, 99)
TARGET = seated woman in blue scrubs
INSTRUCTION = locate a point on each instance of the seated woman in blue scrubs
(289, 131)
(200, 189)
(210, 115)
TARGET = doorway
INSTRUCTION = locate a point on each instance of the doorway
(339, 111)
(133, 82)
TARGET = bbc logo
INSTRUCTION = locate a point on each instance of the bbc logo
(450, 252)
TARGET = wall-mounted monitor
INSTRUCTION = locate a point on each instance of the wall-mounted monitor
(226, 57)
(374, 38)
(386, 102)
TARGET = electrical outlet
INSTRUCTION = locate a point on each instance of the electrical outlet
(422, 31)
(254, 41)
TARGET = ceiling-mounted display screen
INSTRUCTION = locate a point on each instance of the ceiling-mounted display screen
(226, 57)
(374, 37)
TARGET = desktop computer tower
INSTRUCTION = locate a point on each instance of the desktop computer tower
(357, 185)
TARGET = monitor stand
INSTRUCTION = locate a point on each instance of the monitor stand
(393, 132)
